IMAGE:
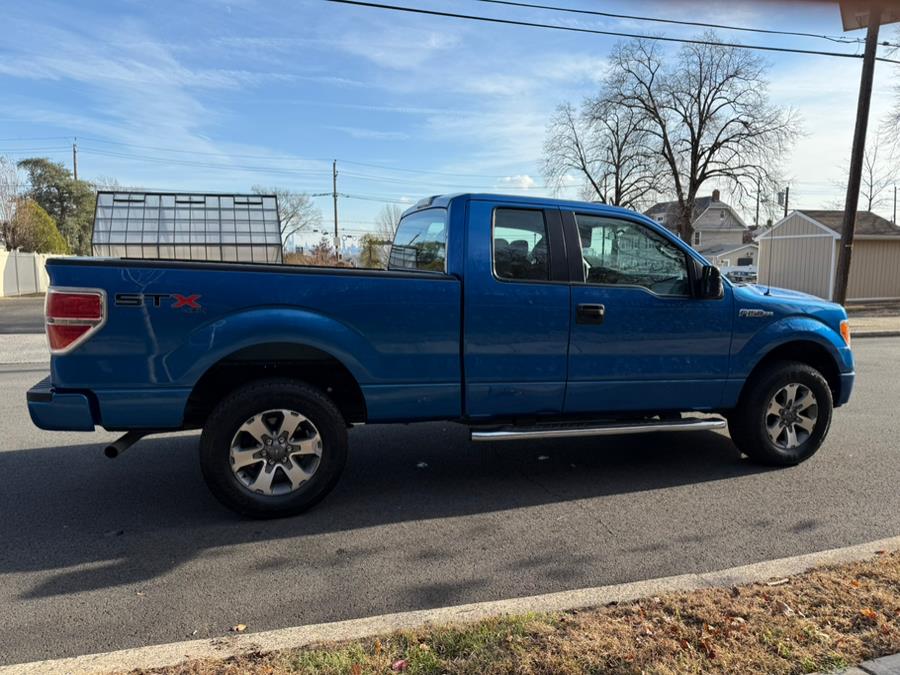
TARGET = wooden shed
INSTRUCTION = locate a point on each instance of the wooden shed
(800, 252)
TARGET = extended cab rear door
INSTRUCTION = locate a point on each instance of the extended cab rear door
(641, 340)
(516, 310)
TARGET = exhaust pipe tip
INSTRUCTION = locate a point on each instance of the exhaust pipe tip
(120, 445)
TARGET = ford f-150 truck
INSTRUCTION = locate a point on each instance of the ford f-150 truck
(519, 317)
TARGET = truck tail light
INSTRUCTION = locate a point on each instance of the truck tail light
(72, 315)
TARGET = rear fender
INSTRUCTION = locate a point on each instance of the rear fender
(210, 343)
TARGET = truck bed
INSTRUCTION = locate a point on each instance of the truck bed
(397, 332)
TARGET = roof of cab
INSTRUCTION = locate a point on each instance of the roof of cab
(443, 201)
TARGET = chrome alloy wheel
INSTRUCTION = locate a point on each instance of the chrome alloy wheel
(791, 416)
(275, 452)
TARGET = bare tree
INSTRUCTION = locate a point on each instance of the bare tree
(708, 113)
(605, 146)
(296, 210)
(879, 173)
(375, 245)
(387, 221)
(11, 189)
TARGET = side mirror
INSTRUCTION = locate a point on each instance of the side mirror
(711, 286)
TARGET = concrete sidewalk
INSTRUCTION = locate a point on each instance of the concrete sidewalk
(886, 665)
(18, 348)
(874, 326)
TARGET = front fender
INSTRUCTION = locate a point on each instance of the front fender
(212, 342)
(750, 349)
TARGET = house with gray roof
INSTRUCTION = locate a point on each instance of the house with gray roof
(719, 231)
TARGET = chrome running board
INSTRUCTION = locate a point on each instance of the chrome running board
(612, 429)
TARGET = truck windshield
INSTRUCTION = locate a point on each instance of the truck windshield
(421, 242)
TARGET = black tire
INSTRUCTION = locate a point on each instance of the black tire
(249, 401)
(747, 422)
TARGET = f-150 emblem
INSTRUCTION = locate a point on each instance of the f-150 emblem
(178, 301)
(754, 313)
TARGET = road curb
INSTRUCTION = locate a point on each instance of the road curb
(157, 656)
(876, 334)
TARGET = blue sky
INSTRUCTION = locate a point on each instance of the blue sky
(222, 95)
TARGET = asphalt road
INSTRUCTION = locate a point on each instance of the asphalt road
(99, 555)
(22, 315)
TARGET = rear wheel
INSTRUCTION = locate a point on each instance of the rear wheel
(273, 448)
(784, 414)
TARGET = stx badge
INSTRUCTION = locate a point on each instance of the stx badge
(172, 300)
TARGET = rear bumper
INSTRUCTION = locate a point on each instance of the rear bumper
(59, 411)
(847, 380)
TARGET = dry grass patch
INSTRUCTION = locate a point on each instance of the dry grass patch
(818, 621)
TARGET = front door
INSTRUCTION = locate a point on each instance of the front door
(640, 340)
(516, 319)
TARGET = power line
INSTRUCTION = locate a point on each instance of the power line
(593, 31)
(571, 10)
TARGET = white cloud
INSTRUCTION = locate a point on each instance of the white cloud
(371, 134)
(522, 181)
(396, 47)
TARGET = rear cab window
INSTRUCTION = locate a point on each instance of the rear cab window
(521, 245)
(420, 243)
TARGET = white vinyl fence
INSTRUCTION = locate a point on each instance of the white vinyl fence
(23, 273)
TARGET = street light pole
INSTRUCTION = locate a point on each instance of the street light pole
(842, 274)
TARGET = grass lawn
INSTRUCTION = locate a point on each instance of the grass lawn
(822, 620)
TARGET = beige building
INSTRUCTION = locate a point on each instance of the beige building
(800, 252)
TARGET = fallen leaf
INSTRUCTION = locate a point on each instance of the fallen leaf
(424, 647)
(854, 583)
(869, 614)
(400, 665)
(777, 582)
(377, 647)
(708, 649)
(239, 628)
(356, 669)
(784, 608)
(881, 552)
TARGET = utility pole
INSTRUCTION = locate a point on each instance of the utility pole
(75, 158)
(787, 197)
(894, 219)
(842, 274)
(334, 194)
(756, 220)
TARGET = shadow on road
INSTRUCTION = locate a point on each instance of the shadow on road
(147, 512)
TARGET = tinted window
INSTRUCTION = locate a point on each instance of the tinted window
(619, 252)
(520, 245)
(421, 242)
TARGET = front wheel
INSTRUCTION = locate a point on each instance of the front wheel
(783, 416)
(273, 448)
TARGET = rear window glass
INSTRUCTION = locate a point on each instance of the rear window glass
(421, 242)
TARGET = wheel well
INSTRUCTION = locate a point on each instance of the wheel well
(295, 361)
(804, 351)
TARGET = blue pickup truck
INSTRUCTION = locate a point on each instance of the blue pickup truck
(522, 318)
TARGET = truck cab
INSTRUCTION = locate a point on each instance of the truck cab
(519, 317)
